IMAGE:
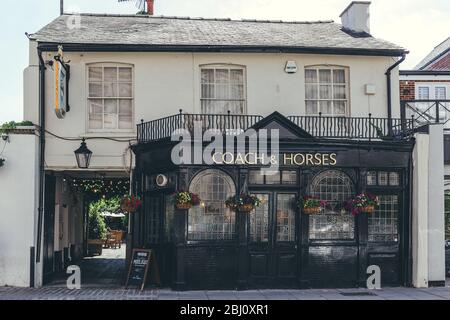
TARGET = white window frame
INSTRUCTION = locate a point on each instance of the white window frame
(420, 88)
(432, 87)
(103, 65)
(229, 67)
(346, 70)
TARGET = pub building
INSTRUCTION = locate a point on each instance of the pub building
(330, 89)
(276, 245)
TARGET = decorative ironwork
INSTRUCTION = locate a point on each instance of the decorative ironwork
(226, 124)
(362, 128)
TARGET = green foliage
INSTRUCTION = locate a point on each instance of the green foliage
(98, 225)
(13, 125)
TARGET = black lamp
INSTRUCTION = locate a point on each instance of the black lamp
(83, 155)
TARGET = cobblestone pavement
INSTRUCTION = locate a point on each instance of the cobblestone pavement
(103, 276)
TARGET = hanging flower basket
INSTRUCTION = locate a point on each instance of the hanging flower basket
(2, 162)
(312, 210)
(311, 205)
(130, 204)
(362, 203)
(186, 200)
(244, 203)
(368, 209)
(246, 208)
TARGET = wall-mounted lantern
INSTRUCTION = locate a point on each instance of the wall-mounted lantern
(83, 155)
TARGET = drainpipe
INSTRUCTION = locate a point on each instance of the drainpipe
(389, 90)
(42, 69)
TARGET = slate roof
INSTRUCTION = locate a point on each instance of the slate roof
(437, 53)
(168, 32)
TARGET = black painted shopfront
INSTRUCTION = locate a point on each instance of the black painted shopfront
(277, 245)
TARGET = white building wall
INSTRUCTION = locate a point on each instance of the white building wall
(420, 212)
(167, 82)
(18, 209)
(436, 220)
(428, 234)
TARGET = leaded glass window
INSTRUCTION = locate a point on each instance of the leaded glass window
(333, 222)
(394, 179)
(284, 177)
(212, 220)
(286, 217)
(259, 220)
(383, 223)
(372, 178)
(383, 178)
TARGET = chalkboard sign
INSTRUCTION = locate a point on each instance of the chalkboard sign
(141, 261)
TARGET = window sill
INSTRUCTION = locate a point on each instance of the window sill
(109, 134)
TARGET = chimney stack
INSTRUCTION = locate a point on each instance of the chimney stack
(356, 17)
(150, 7)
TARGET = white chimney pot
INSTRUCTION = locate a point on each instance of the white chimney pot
(356, 17)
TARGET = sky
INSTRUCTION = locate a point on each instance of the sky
(418, 25)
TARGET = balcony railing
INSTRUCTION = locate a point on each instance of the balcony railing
(427, 111)
(360, 128)
(226, 124)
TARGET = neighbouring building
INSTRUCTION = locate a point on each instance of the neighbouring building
(425, 94)
(332, 90)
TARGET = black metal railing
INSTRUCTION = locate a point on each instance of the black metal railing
(226, 124)
(360, 128)
(426, 111)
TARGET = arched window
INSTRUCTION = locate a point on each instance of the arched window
(212, 220)
(335, 187)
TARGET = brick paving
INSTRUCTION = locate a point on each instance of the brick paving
(54, 293)
(103, 280)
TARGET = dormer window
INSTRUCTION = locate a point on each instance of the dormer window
(223, 89)
(326, 91)
(110, 97)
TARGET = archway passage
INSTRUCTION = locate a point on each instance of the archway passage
(90, 230)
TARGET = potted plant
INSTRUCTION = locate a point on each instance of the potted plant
(97, 230)
(130, 204)
(244, 203)
(185, 200)
(362, 203)
(311, 205)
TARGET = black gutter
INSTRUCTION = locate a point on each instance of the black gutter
(42, 69)
(95, 47)
(424, 73)
(389, 90)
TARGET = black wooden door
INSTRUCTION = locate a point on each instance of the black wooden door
(272, 241)
(49, 228)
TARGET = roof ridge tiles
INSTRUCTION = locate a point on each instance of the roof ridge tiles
(102, 15)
